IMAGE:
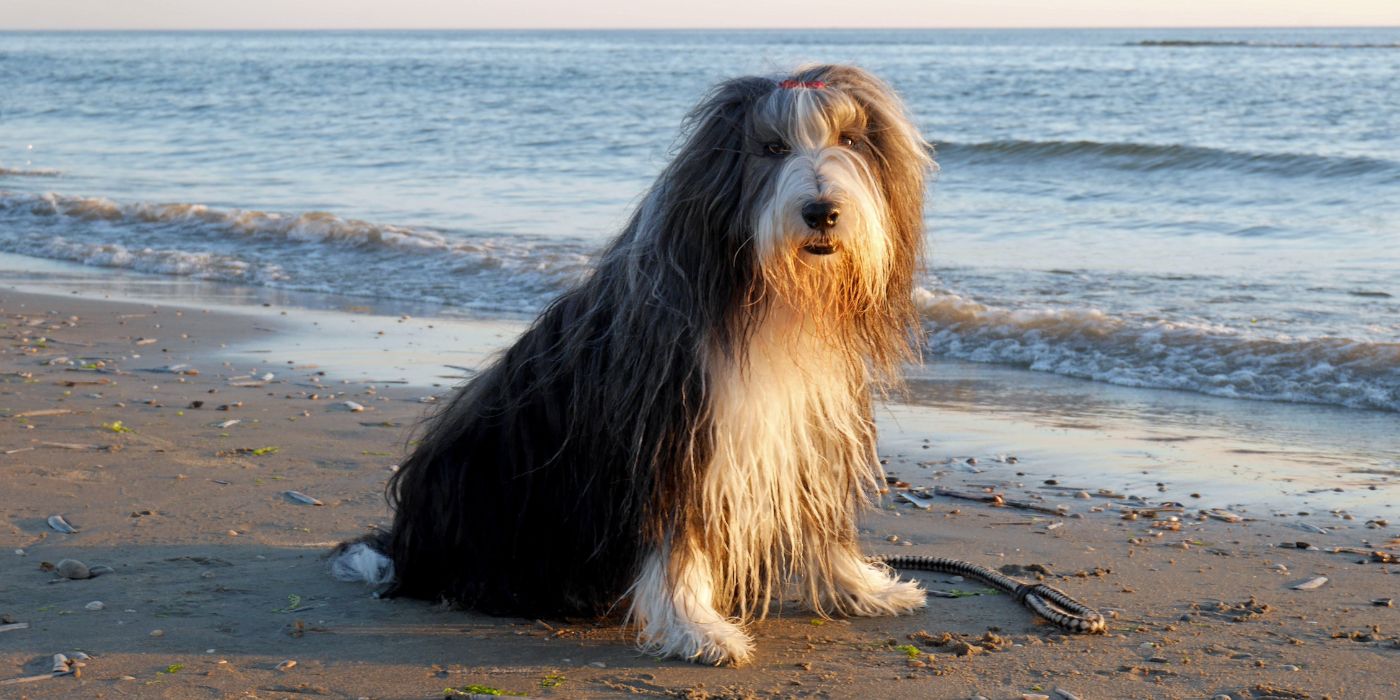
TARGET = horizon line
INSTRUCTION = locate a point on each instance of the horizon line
(684, 29)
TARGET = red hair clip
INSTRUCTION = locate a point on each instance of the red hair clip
(790, 84)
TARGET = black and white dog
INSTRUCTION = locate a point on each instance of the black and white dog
(689, 431)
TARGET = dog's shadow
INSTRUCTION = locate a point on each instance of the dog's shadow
(177, 606)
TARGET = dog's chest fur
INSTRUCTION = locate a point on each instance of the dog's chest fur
(794, 456)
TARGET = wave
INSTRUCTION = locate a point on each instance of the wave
(311, 226)
(1203, 43)
(1150, 157)
(313, 251)
(322, 252)
(1215, 360)
(29, 172)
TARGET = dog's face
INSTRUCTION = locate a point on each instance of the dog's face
(810, 154)
(805, 191)
(830, 156)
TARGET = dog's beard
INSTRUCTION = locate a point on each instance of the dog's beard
(834, 278)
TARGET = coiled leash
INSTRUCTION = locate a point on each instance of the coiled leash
(1044, 600)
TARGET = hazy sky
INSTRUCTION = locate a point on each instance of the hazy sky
(387, 14)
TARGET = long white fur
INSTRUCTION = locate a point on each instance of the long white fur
(358, 562)
(789, 421)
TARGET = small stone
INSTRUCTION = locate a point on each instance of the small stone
(287, 665)
(95, 605)
(1291, 667)
(157, 633)
(1082, 495)
(73, 569)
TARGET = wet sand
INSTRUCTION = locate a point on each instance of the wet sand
(218, 579)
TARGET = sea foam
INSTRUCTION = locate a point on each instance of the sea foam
(1206, 358)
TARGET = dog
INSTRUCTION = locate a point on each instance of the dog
(688, 433)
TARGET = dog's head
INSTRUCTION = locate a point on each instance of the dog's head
(833, 156)
(818, 177)
(804, 189)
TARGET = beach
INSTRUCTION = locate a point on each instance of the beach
(168, 435)
(1159, 335)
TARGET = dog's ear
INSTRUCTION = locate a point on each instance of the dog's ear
(705, 188)
(696, 215)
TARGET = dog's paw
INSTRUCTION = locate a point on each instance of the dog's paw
(722, 643)
(713, 643)
(881, 594)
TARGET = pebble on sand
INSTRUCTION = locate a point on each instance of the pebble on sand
(1310, 584)
(73, 569)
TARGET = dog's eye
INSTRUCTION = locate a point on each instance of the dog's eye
(776, 148)
(847, 141)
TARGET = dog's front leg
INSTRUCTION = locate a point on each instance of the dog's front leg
(845, 583)
(673, 606)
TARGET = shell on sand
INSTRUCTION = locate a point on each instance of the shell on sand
(58, 523)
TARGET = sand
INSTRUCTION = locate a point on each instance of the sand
(218, 581)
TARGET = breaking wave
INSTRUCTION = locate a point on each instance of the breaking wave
(1209, 359)
(314, 251)
(322, 252)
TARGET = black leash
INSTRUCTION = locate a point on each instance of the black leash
(1046, 601)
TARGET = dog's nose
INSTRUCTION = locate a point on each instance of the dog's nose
(820, 215)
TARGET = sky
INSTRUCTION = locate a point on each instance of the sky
(586, 14)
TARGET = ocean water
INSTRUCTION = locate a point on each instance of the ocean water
(1214, 211)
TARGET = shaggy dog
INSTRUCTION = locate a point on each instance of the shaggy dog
(689, 431)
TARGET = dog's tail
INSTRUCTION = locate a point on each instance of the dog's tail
(364, 559)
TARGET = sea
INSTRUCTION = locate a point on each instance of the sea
(1215, 212)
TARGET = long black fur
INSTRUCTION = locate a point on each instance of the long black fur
(535, 490)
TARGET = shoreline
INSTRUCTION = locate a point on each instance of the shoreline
(209, 552)
(1233, 452)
